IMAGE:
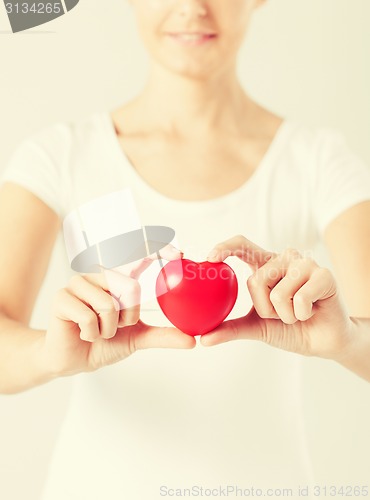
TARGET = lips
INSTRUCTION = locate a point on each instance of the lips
(192, 38)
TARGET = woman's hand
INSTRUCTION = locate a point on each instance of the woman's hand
(296, 303)
(91, 327)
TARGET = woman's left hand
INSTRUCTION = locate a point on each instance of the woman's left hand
(296, 303)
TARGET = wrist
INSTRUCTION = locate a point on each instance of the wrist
(356, 353)
(349, 343)
(53, 361)
(43, 369)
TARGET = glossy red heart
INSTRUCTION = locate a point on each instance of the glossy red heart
(196, 296)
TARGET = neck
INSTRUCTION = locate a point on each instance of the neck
(181, 105)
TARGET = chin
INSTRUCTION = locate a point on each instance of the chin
(191, 73)
(190, 69)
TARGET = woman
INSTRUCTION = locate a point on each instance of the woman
(200, 156)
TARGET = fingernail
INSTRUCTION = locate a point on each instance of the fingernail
(213, 255)
(176, 251)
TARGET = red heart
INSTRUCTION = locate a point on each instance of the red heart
(196, 296)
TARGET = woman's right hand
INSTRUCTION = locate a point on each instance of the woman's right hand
(91, 327)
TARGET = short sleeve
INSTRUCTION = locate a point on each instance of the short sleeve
(342, 179)
(37, 165)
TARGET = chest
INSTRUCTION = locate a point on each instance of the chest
(193, 170)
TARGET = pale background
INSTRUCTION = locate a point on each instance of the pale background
(304, 59)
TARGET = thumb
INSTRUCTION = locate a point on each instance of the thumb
(146, 336)
(250, 327)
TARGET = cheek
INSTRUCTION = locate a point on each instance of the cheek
(234, 16)
(150, 16)
(148, 22)
(152, 8)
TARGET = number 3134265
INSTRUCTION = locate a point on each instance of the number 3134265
(34, 8)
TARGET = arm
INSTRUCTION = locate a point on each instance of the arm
(297, 306)
(357, 356)
(347, 239)
(89, 326)
(28, 230)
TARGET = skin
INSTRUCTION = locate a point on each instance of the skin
(204, 113)
(306, 310)
(296, 303)
(299, 306)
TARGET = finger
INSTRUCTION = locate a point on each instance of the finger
(130, 304)
(319, 287)
(120, 282)
(129, 316)
(242, 248)
(126, 291)
(104, 304)
(250, 327)
(135, 269)
(70, 308)
(109, 280)
(168, 252)
(265, 279)
(144, 336)
(282, 295)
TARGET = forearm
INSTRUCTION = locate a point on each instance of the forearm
(357, 356)
(21, 365)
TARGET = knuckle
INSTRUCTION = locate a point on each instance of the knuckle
(241, 238)
(276, 296)
(88, 318)
(59, 297)
(324, 272)
(300, 298)
(75, 280)
(133, 287)
(294, 272)
(307, 262)
(222, 250)
(291, 253)
(107, 307)
(252, 281)
(219, 247)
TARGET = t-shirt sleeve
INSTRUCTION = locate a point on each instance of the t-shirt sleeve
(37, 165)
(342, 179)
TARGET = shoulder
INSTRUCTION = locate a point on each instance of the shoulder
(313, 137)
(315, 146)
(58, 139)
(300, 139)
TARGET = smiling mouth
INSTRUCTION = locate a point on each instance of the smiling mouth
(192, 38)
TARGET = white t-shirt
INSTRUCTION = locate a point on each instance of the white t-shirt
(229, 415)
